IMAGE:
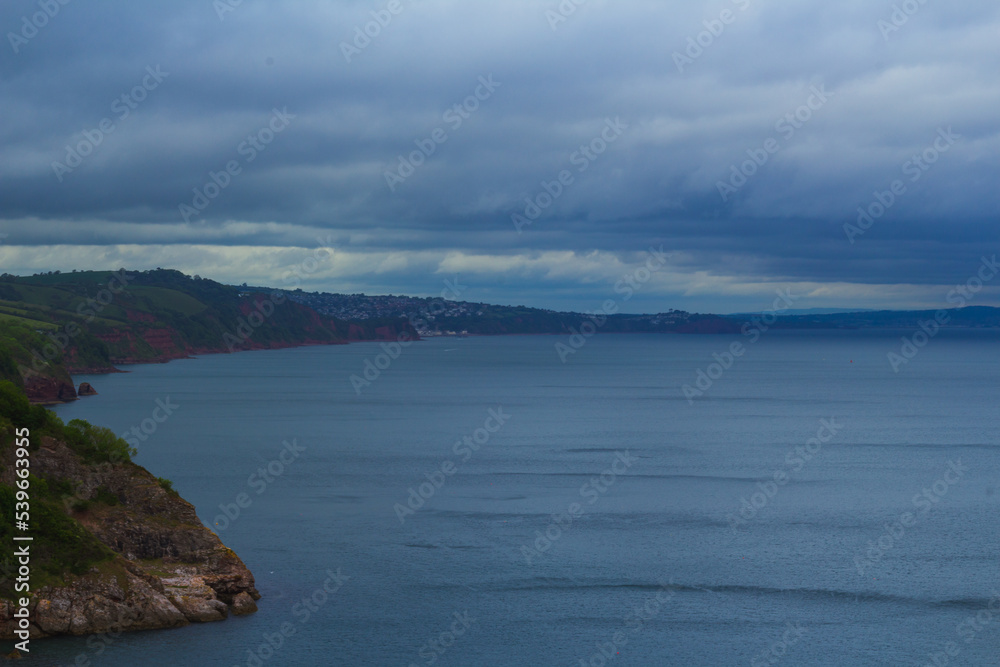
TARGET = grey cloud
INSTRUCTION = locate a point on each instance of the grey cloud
(657, 184)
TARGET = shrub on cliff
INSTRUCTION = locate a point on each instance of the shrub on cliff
(16, 410)
(8, 368)
(25, 353)
(61, 545)
(96, 444)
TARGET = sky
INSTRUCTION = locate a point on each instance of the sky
(530, 152)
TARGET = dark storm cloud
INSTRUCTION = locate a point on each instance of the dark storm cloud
(847, 94)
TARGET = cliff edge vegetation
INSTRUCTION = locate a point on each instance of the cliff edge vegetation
(54, 324)
(113, 548)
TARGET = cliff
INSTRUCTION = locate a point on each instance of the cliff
(22, 350)
(50, 390)
(115, 548)
(55, 324)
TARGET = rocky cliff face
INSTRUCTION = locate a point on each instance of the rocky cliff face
(167, 569)
(50, 390)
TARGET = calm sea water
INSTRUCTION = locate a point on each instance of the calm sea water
(880, 546)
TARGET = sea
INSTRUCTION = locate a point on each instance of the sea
(782, 498)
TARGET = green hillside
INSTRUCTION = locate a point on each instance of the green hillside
(61, 545)
(55, 323)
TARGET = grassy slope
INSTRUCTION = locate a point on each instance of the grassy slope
(19, 342)
(161, 314)
(62, 546)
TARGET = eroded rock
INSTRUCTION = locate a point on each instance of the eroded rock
(168, 569)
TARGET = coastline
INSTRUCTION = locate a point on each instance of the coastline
(111, 547)
(191, 354)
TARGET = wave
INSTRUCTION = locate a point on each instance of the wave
(627, 519)
(948, 446)
(806, 594)
(417, 545)
(586, 450)
(491, 498)
(628, 475)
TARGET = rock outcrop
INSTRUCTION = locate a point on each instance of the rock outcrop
(49, 390)
(86, 389)
(167, 569)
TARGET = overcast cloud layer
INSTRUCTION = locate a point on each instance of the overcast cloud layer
(839, 98)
